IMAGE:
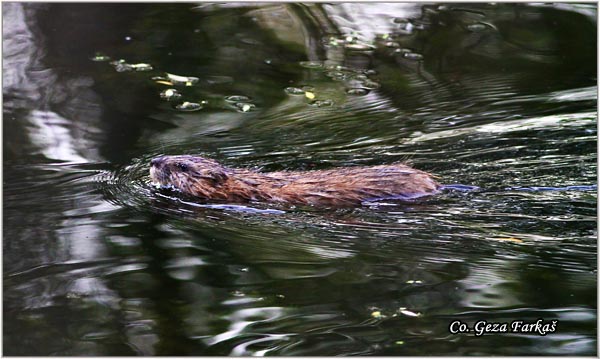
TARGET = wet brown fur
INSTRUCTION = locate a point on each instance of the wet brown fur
(350, 186)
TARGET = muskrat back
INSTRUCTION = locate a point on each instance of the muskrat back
(209, 180)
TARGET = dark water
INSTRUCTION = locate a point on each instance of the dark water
(96, 261)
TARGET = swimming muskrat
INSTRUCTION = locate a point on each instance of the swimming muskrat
(342, 187)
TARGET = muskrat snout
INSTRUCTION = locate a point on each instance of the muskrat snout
(160, 170)
(155, 161)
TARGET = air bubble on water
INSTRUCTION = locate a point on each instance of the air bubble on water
(392, 44)
(72, 295)
(189, 106)
(127, 38)
(237, 98)
(370, 85)
(312, 64)
(414, 281)
(412, 56)
(182, 80)
(122, 66)
(477, 27)
(402, 51)
(322, 103)
(142, 67)
(358, 46)
(237, 293)
(100, 57)
(245, 107)
(408, 313)
(336, 75)
(294, 91)
(404, 25)
(336, 68)
(268, 61)
(357, 91)
(333, 41)
(170, 94)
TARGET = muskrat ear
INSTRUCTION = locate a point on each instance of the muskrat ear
(218, 176)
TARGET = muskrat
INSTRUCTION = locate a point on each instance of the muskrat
(350, 186)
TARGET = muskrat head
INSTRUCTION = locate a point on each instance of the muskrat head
(190, 174)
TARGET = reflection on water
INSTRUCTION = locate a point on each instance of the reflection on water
(498, 100)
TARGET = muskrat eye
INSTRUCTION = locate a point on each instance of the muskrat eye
(182, 166)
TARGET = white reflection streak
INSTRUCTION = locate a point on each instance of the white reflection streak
(370, 19)
(239, 323)
(18, 52)
(547, 122)
(51, 134)
(240, 349)
(33, 87)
